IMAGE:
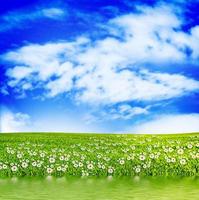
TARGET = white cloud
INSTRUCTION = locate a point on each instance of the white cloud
(52, 122)
(53, 13)
(110, 70)
(129, 111)
(14, 122)
(194, 42)
(17, 18)
(114, 87)
(123, 111)
(179, 123)
(19, 72)
(4, 91)
(147, 35)
(64, 83)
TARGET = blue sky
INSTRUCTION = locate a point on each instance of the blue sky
(99, 66)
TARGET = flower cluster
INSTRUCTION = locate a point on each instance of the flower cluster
(99, 155)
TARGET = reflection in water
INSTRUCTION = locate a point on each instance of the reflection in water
(100, 189)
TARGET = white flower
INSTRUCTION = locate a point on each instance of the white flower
(144, 166)
(12, 152)
(128, 158)
(8, 150)
(152, 156)
(190, 146)
(49, 170)
(34, 164)
(84, 173)
(5, 166)
(193, 156)
(168, 160)
(51, 160)
(183, 161)
(66, 158)
(24, 164)
(180, 151)
(99, 156)
(42, 155)
(59, 168)
(197, 155)
(142, 157)
(173, 160)
(137, 169)
(14, 168)
(61, 158)
(133, 147)
(80, 164)
(121, 162)
(63, 169)
(110, 170)
(19, 155)
(166, 150)
(39, 165)
(90, 166)
(156, 156)
(76, 165)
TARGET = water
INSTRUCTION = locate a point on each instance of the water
(99, 189)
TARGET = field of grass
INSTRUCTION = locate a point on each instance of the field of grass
(54, 154)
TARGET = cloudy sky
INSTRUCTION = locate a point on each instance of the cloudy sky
(99, 66)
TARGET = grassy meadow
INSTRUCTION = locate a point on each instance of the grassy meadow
(98, 155)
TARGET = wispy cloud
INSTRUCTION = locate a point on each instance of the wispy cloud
(14, 122)
(176, 123)
(18, 19)
(123, 111)
(54, 13)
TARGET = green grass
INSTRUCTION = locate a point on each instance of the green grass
(56, 154)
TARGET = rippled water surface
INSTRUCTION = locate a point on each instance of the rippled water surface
(100, 189)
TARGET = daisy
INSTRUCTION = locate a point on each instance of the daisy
(51, 160)
(61, 158)
(144, 166)
(5, 166)
(19, 155)
(190, 146)
(49, 170)
(59, 168)
(121, 162)
(24, 164)
(14, 168)
(152, 156)
(142, 157)
(63, 169)
(80, 164)
(173, 160)
(34, 164)
(180, 151)
(182, 161)
(137, 169)
(90, 166)
(110, 170)
(42, 155)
